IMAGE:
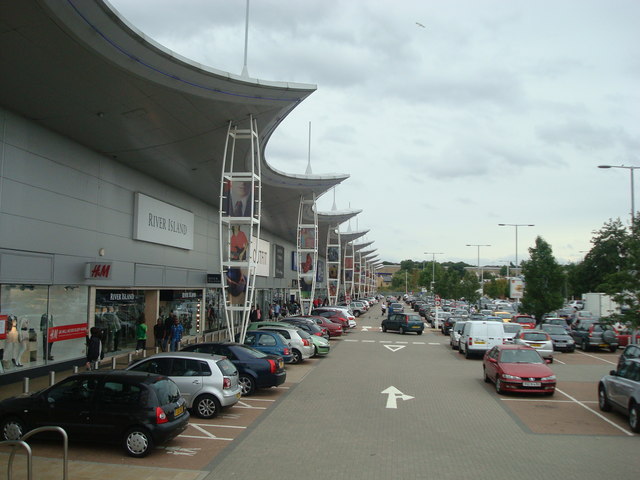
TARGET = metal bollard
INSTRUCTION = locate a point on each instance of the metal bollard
(113, 363)
(52, 378)
(129, 358)
(75, 369)
(144, 353)
(25, 385)
(157, 349)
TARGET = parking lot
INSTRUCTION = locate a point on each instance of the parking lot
(377, 389)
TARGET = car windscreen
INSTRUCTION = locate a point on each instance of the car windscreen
(520, 356)
(554, 329)
(166, 391)
(535, 337)
(226, 367)
(250, 351)
(511, 328)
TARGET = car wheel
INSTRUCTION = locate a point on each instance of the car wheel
(585, 345)
(297, 356)
(402, 331)
(634, 417)
(603, 400)
(12, 429)
(356, 313)
(137, 442)
(486, 377)
(613, 348)
(498, 385)
(384, 328)
(467, 353)
(247, 384)
(206, 406)
(420, 332)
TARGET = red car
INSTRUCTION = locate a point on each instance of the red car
(334, 328)
(334, 316)
(526, 321)
(518, 368)
(624, 337)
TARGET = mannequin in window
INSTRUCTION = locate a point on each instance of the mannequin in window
(46, 322)
(13, 343)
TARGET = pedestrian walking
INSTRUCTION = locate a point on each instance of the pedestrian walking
(158, 333)
(141, 335)
(176, 334)
(94, 348)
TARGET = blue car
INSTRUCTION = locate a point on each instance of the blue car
(269, 342)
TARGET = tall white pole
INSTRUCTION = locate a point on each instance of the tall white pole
(245, 70)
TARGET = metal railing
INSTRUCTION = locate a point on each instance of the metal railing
(23, 443)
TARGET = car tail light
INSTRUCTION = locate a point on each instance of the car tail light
(226, 383)
(305, 342)
(287, 351)
(319, 334)
(470, 341)
(273, 366)
(161, 417)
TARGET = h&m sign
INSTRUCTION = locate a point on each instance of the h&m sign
(97, 271)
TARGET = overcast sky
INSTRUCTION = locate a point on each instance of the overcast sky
(451, 116)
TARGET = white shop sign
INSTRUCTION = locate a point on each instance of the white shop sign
(261, 256)
(158, 222)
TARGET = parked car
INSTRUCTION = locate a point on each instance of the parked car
(624, 337)
(527, 321)
(504, 316)
(308, 325)
(629, 352)
(455, 333)
(592, 334)
(403, 323)
(115, 406)
(562, 341)
(301, 346)
(562, 322)
(480, 336)
(255, 368)
(537, 339)
(358, 308)
(334, 314)
(333, 328)
(510, 331)
(269, 342)
(207, 382)
(448, 323)
(620, 390)
(395, 307)
(518, 368)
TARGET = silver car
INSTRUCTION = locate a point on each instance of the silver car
(537, 339)
(621, 390)
(455, 333)
(301, 344)
(207, 382)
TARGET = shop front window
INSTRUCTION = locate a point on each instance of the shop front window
(184, 304)
(117, 315)
(214, 315)
(40, 324)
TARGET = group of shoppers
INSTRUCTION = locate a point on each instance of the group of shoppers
(168, 333)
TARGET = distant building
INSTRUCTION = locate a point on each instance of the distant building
(385, 274)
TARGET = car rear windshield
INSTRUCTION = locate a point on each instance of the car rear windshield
(536, 337)
(166, 391)
(226, 367)
(511, 328)
(252, 352)
(554, 329)
(414, 318)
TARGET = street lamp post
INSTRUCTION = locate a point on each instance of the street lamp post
(481, 272)
(516, 225)
(631, 168)
(433, 272)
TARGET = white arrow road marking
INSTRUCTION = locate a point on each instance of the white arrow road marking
(394, 348)
(394, 395)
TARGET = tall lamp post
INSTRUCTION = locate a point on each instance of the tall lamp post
(516, 225)
(481, 272)
(631, 168)
(433, 271)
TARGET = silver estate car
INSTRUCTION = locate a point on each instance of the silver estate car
(620, 390)
(207, 382)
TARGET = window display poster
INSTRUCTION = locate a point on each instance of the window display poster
(279, 262)
(3, 326)
(333, 254)
(348, 262)
(320, 271)
(307, 238)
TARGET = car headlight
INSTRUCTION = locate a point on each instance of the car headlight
(571, 341)
(510, 377)
(550, 377)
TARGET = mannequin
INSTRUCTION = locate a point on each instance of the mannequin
(13, 341)
(23, 337)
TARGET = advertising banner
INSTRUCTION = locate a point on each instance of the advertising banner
(67, 332)
(516, 287)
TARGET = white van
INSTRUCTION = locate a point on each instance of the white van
(478, 337)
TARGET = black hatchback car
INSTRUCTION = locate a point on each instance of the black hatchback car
(138, 410)
(255, 368)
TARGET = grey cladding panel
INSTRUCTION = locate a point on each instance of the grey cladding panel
(174, 276)
(25, 268)
(149, 275)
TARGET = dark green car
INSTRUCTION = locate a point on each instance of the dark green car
(404, 322)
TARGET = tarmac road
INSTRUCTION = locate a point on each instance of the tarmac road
(447, 423)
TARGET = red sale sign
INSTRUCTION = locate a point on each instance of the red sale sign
(67, 332)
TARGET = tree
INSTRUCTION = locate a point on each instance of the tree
(469, 288)
(543, 281)
(624, 284)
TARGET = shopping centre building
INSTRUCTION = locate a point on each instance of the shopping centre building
(112, 158)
